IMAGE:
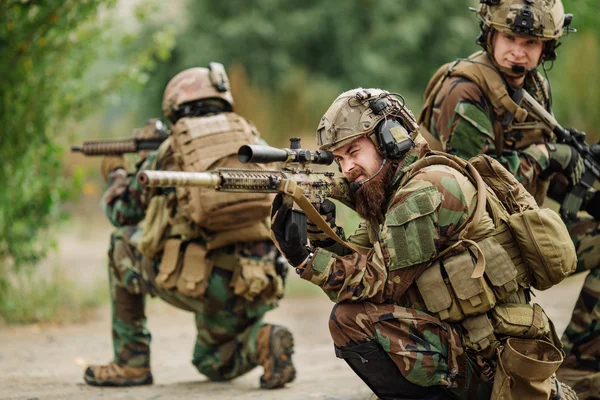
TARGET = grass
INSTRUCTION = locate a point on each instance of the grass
(32, 297)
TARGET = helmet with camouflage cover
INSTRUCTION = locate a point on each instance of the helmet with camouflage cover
(542, 19)
(194, 84)
(359, 112)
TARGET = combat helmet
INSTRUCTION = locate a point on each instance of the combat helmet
(375, 113)
(185, 91)
(543, 19)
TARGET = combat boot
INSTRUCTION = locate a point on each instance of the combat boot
(583, 378)
(275, 346)
(114, 374)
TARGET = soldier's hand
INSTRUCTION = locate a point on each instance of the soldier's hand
(285, 234)
(565, 159)
(317, 237)
(111, 163)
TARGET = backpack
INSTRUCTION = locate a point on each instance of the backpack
(543, 240)
(204, 143)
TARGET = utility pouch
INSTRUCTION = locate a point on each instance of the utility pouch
(436, 295)
(505, 238)
(251, 278)
(473, 294)
(545, 244)
(195, 271)
(499, 270)
(520, 320)
(168, 271)
(479, 335)
(154, 226)
(524, 369)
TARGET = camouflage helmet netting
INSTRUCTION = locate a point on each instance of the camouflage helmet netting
(196, 84)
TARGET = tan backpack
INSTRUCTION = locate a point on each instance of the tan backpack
(544, 243)
(212, 142)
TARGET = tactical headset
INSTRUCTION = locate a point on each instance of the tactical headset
(392, 137)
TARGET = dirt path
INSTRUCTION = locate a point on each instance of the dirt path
(47, 362)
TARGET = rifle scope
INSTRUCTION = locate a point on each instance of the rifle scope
(267, 154)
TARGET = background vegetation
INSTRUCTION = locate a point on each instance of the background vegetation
(75, 70)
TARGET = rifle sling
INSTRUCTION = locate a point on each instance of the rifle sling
(290, 188)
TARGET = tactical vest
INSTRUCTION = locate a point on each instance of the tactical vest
(512, 129)
(479, 280)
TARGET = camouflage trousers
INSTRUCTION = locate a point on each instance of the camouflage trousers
(582, 335)
(227, 325)
(426, 351)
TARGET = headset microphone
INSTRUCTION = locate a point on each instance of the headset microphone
(354, 186)
(519, 69)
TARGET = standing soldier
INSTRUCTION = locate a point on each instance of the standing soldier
(202, 251)
(468, 110)
(415, 316)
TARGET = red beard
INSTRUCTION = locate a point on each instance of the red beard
(372, 197)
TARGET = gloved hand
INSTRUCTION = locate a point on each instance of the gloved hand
(593, 206)
(110, 163)
(565, 159)
(317, 237)
(292, 248)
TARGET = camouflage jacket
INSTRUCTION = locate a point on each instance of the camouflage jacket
(423, 216)
(463, 120)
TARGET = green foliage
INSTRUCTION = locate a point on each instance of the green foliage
(31, 297)
(48, 49)
(301, 54)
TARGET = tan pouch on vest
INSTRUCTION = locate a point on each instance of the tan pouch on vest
(436, 295)
(499, 270)
(195, 271)
(479, 335)
(153, 226)
(524, 370)
(474, 294)
(545, 244)
(520, 320)
(252, 279)
(504, 237)
(169, 268)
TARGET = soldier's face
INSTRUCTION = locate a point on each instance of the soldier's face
(510, 50)
(359, 160)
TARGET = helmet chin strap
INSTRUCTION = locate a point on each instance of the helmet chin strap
(354, 186)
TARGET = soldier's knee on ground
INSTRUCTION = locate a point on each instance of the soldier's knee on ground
(377, 370)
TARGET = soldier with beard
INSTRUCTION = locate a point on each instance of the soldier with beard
(415, 214)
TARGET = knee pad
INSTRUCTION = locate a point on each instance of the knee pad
(375, 367)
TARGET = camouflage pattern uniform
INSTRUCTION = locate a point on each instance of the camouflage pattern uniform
(228, 275)
(226, 345)
(375, 293)
(462, 121)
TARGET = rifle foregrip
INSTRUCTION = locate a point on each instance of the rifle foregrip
(112, 148)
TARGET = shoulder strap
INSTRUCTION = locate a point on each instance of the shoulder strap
(290, 188)
(467, 169)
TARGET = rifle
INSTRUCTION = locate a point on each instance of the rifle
(122, 146)
(295, 180)
(580, 194)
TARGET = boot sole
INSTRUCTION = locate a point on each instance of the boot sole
(145, 380)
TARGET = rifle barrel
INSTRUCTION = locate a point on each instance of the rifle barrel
(176, 178)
